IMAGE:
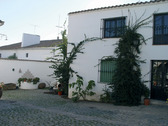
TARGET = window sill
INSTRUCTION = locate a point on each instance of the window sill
(109, 38)
(103, 82)
(160, 44)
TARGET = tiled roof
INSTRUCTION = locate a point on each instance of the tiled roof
(116, 6)
(44, 43)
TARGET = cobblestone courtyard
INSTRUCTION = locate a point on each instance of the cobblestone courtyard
(34, 108)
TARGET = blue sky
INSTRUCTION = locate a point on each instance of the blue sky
(42, 17)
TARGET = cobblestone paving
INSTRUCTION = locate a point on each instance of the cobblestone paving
(34, 108)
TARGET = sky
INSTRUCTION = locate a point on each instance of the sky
(42, 17)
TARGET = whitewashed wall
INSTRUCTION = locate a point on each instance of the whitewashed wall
(33, 53)
(29, 39)
(37, 68)
(90, 23)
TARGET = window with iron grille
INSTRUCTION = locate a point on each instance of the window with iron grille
(106, 70)
(160, 29)
(114, 27)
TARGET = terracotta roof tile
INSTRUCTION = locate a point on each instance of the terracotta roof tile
(116, 6)
(44, 43)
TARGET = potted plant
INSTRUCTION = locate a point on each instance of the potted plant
(29, 80)
(28, 83)
(36, 80)
(146, 95)
(60, 89)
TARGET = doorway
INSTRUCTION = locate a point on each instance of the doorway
(159, 83)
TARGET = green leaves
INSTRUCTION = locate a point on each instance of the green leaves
(13, 56)
(29, 80)
(90, 86)
(79, 91)
(62, 61)
(126, 83)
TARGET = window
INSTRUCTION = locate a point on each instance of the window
(106, 70)
(27, 54)
(160, 29)
(0, 55)
(114, 27)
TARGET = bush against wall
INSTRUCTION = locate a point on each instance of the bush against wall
(13, 56)
(126, 84)
(79, 91)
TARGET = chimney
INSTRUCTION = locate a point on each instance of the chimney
(29, 39)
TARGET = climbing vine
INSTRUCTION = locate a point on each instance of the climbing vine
(63, 60)
(126, 84)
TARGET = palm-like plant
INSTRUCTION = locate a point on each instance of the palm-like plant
(62, 62)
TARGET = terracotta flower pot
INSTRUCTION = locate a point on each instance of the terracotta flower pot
(146, 101)
(59, 92)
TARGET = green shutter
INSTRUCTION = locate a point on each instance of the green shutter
(107, 70)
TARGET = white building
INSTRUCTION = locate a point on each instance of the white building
(96, 23)
(31, 56)
(31, 48)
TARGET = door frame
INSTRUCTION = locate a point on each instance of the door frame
(158, 92)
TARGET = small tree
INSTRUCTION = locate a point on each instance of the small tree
(126, 83)
(62, 62)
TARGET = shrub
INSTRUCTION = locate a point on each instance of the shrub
(79, 91)
(126, 84)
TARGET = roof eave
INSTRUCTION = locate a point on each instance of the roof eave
(116, 6)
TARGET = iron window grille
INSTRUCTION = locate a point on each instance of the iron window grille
(106, 70)
(113, 27)
(160, 29)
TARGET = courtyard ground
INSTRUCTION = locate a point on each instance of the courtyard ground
(35, 108)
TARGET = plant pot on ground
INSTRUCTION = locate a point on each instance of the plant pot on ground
(146, 101)
(59, 92)
(146, 95)
(60, 89)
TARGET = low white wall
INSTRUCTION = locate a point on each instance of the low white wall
(26, 85)
(11, 70)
